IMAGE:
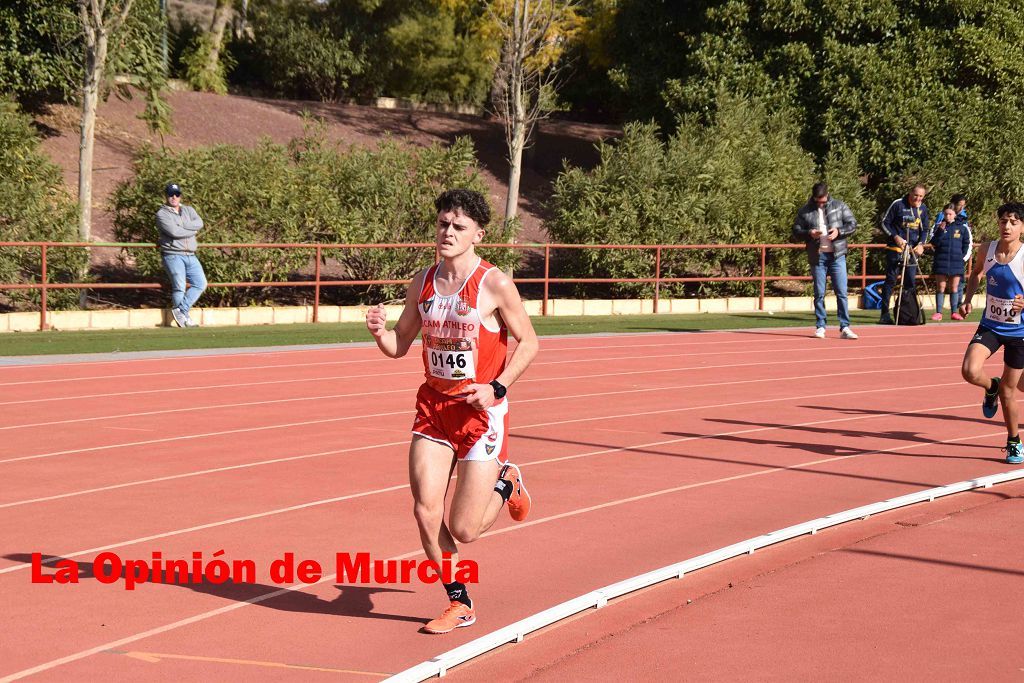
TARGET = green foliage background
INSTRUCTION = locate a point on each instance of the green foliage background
(922, 90)
(34, 206)
(733, 181)
(732, 109)
(311, 191)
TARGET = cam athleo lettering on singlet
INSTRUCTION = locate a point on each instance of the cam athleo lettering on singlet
(458, 349)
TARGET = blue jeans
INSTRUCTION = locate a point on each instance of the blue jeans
(835, 267)
(182, 268)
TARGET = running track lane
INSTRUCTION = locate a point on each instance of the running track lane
(698, 516)
(913, 587)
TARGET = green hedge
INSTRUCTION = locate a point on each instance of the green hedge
(311, 191)
(737, 180)
(34, 207)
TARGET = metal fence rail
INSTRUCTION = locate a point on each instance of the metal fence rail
(317, 282)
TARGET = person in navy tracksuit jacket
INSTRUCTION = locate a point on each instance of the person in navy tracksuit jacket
(952, 242)
(906, 229)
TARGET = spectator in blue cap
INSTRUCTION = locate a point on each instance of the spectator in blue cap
(178, 224)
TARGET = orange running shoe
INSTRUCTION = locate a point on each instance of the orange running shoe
(456, 616)
(519, 502)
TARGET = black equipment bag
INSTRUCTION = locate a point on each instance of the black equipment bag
(909, 308)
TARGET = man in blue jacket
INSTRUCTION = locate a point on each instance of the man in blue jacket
(905, 227)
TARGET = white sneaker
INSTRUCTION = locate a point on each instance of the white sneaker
(820, 333)
(847, 333)
(179, 317)
(189, 322)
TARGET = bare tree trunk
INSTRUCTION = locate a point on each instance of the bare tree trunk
(517, 139)
(241, 21)
(221, 16)
(97, 30)
(525, 77)
(95, 58)
(515, 171)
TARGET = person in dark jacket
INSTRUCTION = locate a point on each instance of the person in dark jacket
(959, 202)
(905, 226)
(952, 242)
(824, 224)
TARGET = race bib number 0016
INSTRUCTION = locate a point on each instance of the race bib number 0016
(450, 358)
(1001, 310)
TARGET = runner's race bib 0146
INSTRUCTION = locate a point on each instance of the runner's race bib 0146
(450, 358)
(1001, 310)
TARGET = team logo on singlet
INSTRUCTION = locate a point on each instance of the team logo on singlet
(489, 448)
(992, 280)
(428, 304)
(461, 307)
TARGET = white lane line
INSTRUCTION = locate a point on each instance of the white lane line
(363, 394)
(514, 432)
(197, 473)
(685, 338)
(82, 654)
(305, 423)
(605, 451)
(382, 359)
(417, 371)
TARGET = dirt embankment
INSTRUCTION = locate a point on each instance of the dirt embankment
(201, 119)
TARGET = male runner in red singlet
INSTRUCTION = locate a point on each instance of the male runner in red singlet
(465, 308)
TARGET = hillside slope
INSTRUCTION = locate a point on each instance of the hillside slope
(201, 119)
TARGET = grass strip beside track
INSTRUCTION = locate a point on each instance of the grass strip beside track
(173, 338)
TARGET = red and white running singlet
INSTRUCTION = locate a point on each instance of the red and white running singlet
(458, 349)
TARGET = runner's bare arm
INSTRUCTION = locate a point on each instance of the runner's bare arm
(395, 342)
(974, 279)
(509, 306)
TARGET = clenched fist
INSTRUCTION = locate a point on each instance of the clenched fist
(376, 320)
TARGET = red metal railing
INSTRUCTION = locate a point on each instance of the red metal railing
(317, 283)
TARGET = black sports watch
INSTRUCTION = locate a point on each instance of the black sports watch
(499, 389)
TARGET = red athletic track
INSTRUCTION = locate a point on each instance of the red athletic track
(639, 450)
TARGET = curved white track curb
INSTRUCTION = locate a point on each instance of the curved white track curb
(439, 665)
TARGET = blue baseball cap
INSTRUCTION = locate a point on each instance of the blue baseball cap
(172, 189)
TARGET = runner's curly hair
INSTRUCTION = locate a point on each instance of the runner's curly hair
(470, 202)
(1015, 208)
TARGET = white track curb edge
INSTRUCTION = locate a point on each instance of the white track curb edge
(439, 665)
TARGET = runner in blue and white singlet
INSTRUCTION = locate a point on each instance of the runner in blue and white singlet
(1001, 264)
(1004, 281)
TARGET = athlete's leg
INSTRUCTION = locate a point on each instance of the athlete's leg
(973, 366)
(1008, 397)
(475, 504)
(430, 468)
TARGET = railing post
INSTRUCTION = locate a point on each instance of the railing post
(43, 325)
(760, 304)
(863, 267)
(316, 288)
(547, 273)
(657, 276)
